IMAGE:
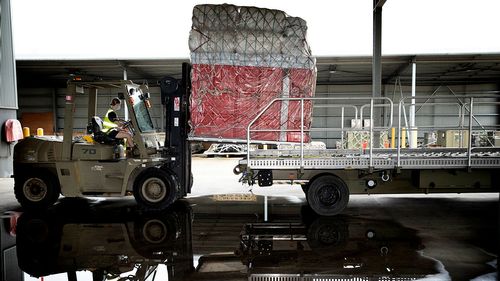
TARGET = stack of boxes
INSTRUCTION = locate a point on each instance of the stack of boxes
(360, 137)
(243, 58)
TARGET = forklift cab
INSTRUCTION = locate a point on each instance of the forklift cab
(140, 124)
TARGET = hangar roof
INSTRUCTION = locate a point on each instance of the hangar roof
(356, 70)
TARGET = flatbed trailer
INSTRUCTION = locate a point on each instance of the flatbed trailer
(328, 176)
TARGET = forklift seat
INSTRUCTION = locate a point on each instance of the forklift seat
(98, 135)
(96, 124)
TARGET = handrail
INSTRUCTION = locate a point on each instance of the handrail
(377, 105)
(302, 129)
(401, 111)
(469, 145)
(433, 104)
(465, 107)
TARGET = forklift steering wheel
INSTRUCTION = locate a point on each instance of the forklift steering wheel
(126, 124)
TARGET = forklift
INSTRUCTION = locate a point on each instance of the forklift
(156, 174)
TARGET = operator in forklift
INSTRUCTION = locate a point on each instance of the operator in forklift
(114, 127)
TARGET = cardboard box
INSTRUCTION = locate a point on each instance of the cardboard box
(356, 123)
(453, 138)
(367, 123)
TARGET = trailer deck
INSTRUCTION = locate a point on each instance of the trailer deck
(428, 158)
(385, 118)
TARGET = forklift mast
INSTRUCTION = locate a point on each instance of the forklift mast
(175, 99)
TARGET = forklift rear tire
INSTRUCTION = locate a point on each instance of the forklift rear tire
(38, 240)
(155, 189)
(328, 195)
(39, 190)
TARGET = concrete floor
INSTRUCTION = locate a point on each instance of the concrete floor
(459, 232)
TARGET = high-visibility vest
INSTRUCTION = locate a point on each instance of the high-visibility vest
(107, 124)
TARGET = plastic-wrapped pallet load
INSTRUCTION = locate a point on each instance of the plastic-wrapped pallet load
(243, 58)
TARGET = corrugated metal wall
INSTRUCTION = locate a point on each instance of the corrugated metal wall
(440, 115)
(41, 100)
(8, 94)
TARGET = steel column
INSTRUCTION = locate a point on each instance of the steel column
(92, 109)
(412, 131)
(68, 126)
(377, 64)
(125, 109)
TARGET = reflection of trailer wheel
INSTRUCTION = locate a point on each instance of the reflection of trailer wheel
(327, 234)
(39, 190)
(328, 195)
(155, 189)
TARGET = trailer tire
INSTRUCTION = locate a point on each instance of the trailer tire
(39, 190)
(155, 189)
(328, 195)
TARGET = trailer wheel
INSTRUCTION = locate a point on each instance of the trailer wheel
(328, 195)
(155, 189)
(39, 190)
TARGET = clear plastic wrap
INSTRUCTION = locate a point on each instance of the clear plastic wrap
(243, 58)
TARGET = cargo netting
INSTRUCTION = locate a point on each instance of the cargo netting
(242, 59)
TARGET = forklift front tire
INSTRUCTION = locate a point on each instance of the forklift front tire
(155, 189)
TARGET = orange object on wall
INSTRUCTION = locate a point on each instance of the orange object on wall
(35, 120)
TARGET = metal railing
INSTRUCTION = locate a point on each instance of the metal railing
(342, 129)
(465, 112)
(462, 118)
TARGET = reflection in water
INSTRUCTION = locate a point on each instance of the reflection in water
(333, 247)
(112, 245)
(126, 244)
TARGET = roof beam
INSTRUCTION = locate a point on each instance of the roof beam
(138, 71)
(402, 67)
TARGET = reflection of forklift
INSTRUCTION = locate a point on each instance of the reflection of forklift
(156, 175)
(113, 244)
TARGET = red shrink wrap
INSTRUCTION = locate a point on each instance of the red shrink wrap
(243, 58)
